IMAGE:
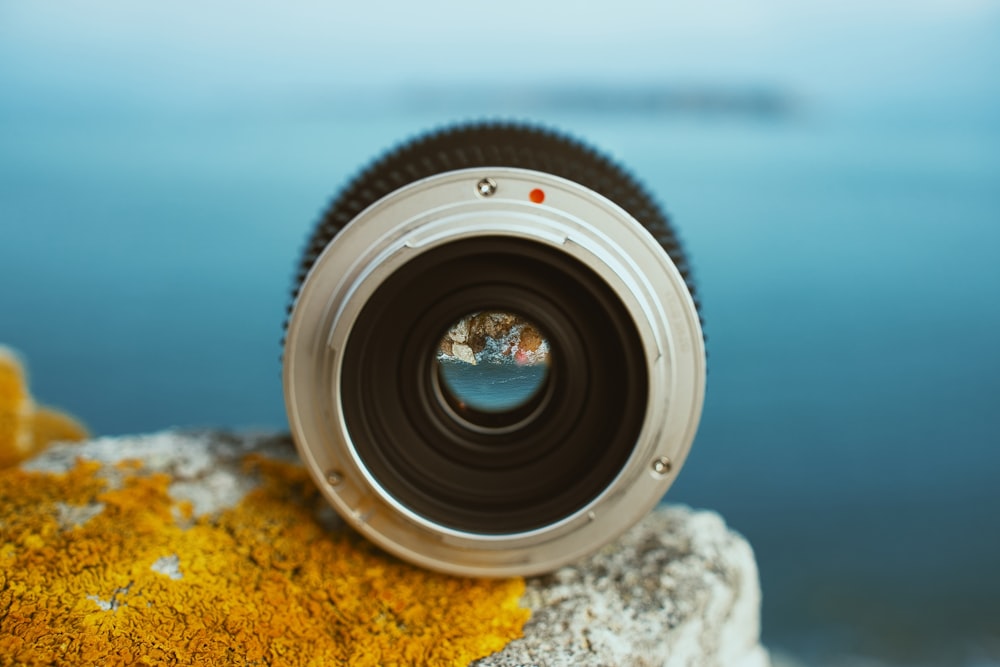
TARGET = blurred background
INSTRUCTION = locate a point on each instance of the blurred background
(834, 169)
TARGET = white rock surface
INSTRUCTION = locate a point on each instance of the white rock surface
(205, 466)
(679, 589)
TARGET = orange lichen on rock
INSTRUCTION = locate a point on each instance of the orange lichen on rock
(95, 573)
(24, 428)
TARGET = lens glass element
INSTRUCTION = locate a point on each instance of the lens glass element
(492, 361)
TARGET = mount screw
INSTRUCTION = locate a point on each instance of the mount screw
(662, 466)
(486, 187)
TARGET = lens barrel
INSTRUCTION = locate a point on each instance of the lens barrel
(509, 219)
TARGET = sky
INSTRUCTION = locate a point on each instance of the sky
(177, 55)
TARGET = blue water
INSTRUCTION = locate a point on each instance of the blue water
(493, 387)
(847, 263)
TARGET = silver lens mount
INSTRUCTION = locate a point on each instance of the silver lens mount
(506, 236)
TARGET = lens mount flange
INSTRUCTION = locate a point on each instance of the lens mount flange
(459, 209)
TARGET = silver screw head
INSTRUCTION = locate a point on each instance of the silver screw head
(662, 465)
(334, 478)
(486, 187)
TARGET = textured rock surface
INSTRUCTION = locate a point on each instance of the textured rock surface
(502, 336)
(678, 589)
(25, 427)
(205, 467)
(205, 549)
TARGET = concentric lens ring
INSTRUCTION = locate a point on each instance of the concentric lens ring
(507, 480)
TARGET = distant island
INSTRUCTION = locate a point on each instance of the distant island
(760, 101)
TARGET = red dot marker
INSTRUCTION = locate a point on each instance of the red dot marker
(537, 196)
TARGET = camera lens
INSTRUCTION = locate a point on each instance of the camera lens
(493, 346)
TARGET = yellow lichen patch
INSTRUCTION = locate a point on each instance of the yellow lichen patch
(262, 583)
(25, 430)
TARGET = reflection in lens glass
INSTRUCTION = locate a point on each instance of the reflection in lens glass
(493, 361)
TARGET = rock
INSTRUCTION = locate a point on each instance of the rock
(205, 468)
(25, 427)
(464, 353)
(205, 548)
(495, 336)
(490, 325)
(678, 589)
(531, 339)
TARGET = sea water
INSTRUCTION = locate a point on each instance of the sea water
(493, 387)
(847, 264)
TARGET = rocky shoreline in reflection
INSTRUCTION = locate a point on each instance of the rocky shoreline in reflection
(494, 337)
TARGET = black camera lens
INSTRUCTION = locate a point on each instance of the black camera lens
(494, 360)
